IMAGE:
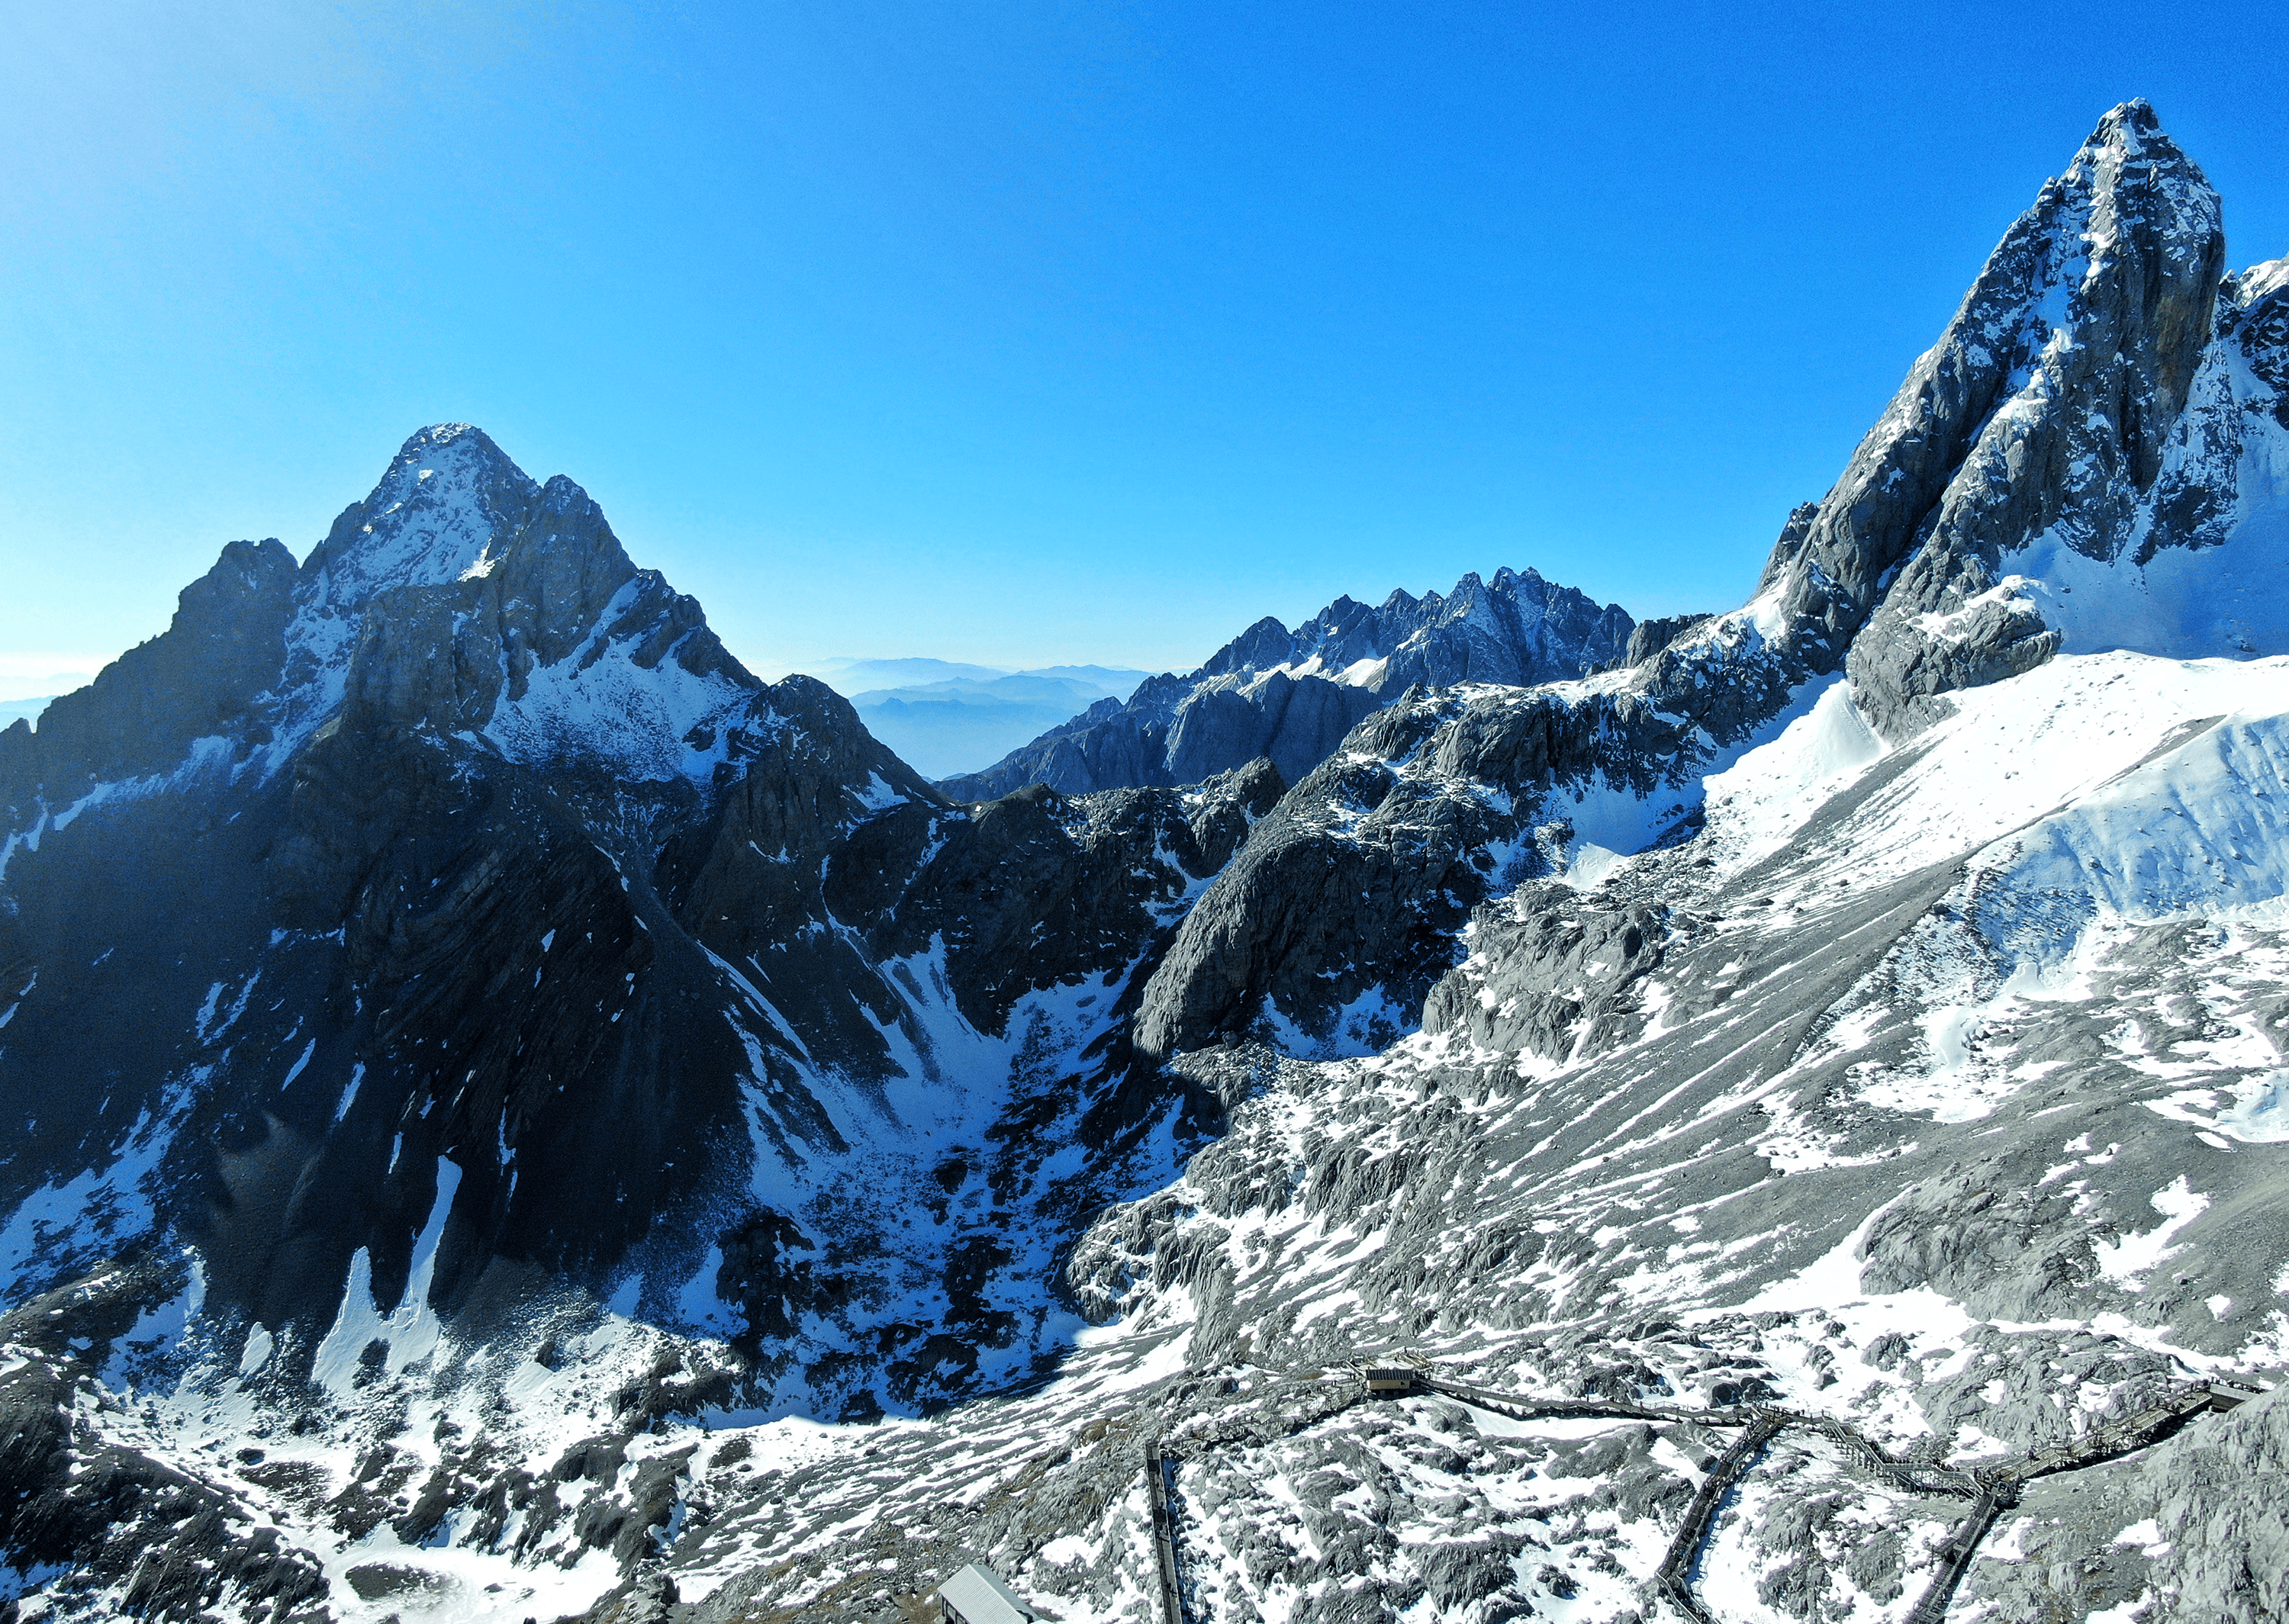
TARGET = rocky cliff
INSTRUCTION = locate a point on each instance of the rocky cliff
(1290, 697)
(2089, 459)
(517, 1118)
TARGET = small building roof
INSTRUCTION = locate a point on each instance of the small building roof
(978, 1595)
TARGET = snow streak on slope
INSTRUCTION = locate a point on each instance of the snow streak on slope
(918, 1169)
(598, 704)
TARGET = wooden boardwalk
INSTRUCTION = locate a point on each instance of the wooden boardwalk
(1164, 1534)
(1674, 1577)
(1992, 1489)
(2001, 1485)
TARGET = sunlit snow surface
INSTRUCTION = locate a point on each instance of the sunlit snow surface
(599, 705)
(2064, 749)
(2065, 813)
(2094, 848)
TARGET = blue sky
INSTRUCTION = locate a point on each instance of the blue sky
(1021, 332)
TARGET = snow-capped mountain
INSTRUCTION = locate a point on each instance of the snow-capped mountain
(1796, 1123)
(447, 921)
(1291, 696)
(2091, 457)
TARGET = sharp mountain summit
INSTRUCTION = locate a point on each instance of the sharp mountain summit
(1478, 1108)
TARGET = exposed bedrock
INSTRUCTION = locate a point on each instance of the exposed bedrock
(1293, 696)
(201, 677)
(1560, 973)
(1296, 723)
(1358, 882)
(2061, 392)
(1648, 638)
(2216, 1539)
(107, 1515)
(1345, 907)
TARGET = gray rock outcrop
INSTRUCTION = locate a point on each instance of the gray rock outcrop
(2059, 394)
(203, 679)
(2090, 400)
(1291, 696)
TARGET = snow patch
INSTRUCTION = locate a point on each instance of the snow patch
(2123, 1261)
(411, 1330)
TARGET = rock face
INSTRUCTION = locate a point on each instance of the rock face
(503, 1104)
(1291, 696)
(2091, 457)
(1339, 916)
(2223, 1556)
(87, 1507)
(492, 922)
(2087, 403)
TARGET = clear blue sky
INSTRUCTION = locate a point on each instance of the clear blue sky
(1025, 332)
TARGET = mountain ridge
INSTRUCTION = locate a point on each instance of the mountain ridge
(600, 1132)
(1292, 695)
(1617, 762)
(466, 707)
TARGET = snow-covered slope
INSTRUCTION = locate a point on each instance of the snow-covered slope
(1862, 1105)
(1810, 1101)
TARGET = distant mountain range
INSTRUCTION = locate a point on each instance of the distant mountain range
(508, 1115)
(1292, 696)
(944, 717)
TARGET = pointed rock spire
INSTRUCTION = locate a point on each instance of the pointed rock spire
(2078, 340)
(445, 501)
(2046, 414)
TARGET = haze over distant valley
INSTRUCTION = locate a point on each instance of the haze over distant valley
(946, 716)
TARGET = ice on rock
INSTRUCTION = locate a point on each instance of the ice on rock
(786, 1182)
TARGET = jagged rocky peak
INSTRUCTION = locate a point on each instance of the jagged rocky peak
(461, 597)
(2051, 467)
(2089, 319)
(453, 509)
(1518, 627)
(2091, 457)
(1265, 643)
(2054, 473)
(580, 952)
(464, 597)
(448, 496)
(1291, 696)
(2244, 288)
(143, 710)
